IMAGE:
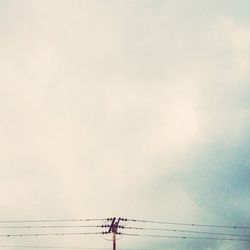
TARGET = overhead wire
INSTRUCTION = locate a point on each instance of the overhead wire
(51, 226)
(221, 235)
(50, 220)
(48, 234)
(188, 224)
(67, 247)
(185, 231)
(51, 247)
(185, 237)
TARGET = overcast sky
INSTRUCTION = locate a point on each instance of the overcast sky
(132, 108)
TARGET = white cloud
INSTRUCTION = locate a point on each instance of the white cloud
(100, 101)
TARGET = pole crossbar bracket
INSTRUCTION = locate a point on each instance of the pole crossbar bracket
(114, 226)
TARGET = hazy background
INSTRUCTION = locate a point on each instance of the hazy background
(127, 108)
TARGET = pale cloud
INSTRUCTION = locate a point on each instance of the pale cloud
(132, 107)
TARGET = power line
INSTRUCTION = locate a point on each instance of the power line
(186, 237)
(68, 247)
(51, 247)
(187, 224)
(52, 220)
(185, 231)
(52, 226)
(47, 234)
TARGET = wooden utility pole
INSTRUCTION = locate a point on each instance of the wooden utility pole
(114, 241)
(113, 228)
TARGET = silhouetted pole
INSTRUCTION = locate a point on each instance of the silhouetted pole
(113, 228)
(114, 241)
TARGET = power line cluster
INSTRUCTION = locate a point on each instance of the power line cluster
(66, 247)
(51, 220)
(182, 230)
(51, 225)
(122, 226)
(189, 224)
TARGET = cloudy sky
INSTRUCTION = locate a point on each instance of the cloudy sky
(132, 108)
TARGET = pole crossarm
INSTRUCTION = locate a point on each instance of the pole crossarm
(113, 228)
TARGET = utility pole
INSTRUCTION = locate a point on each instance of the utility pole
(113, 228)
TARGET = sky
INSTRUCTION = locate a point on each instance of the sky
(131, 108)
